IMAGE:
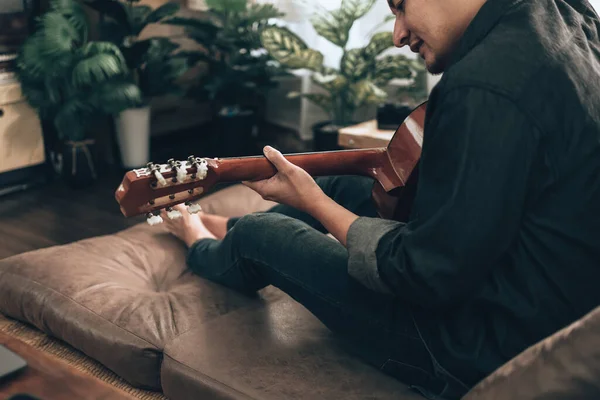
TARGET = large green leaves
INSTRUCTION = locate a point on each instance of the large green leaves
(357, 8)
(113, 9)
(227, 5)
(291, 51)
(379, 43)
(334, 26)
(355, 65)
(97, 68)
(261, 13)
(164, 11)
(393, 67)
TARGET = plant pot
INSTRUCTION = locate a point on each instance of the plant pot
(133, 137)
(78, 162)
(235, 134)
(325, 136)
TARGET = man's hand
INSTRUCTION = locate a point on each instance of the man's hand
(291, 185)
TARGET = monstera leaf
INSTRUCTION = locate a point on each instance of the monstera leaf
(334, 26)
(354, 65)
(291, 51)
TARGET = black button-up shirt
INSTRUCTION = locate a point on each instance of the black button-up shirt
(503, 245)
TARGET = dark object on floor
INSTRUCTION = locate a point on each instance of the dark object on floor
(10, 363)
(23, 396)
(390, 116)
(325, 137)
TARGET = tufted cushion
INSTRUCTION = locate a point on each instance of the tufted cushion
(279, 351)
(120, 298)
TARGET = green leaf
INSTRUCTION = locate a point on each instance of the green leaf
(366, 92)
(379, 43)
(135, 55)
(261, 13)
(97, 68)
(393, 67)
(166, 10)
(201, 31)
(355, 65)
(227, 5)
(334, 26)
(113, 9)
(114, 97)
(160, 48)
(57, 36)
(139, 15)
(287, 48)
(357, 8)
(71, 118)
(73, 11)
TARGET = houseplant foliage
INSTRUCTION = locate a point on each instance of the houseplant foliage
(362, 72)
(72, 81)
(154, 64)
(238, 71)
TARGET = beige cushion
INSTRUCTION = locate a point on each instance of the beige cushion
(565, 365)
(120, 298)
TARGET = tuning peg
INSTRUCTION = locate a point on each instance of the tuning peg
(173, 214)
(193, 208)
(153, 219)
(201, 167)
(155, 169)
(181, 172)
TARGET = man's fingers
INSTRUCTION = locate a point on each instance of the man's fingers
(275, 157)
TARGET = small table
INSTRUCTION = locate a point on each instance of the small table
(364, 136)
(49, 378)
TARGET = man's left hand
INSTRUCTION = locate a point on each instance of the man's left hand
(291, 185)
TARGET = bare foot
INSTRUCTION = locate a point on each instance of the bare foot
(215, 223)
(188, 228)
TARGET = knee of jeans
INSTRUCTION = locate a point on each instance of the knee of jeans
(255, 222)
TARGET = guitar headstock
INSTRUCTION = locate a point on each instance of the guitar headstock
(161, 186)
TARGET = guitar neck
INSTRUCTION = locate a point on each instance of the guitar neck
(344, 162)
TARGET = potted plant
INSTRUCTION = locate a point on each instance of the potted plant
(153, 65)
(73, 82)
(362, 73)
(238, 71)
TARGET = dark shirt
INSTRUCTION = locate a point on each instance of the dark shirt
(502, 248)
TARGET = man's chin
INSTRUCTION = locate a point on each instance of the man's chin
(434, 67)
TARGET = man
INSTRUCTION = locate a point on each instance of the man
(502, 247)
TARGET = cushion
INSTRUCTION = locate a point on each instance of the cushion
(279, 351)
(120, 298)
(565, 365)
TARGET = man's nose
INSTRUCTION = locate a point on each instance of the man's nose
(401, 33)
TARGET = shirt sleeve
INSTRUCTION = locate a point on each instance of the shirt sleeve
(472, 187)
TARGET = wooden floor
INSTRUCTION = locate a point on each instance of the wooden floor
(53, 213)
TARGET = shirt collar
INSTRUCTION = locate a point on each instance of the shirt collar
(486, 18)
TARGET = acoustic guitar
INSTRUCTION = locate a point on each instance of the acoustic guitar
(393, 168)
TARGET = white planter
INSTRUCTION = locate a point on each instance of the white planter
(133, 136)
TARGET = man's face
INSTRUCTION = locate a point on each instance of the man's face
(432, 28)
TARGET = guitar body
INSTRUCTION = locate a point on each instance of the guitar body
(394, 200)
(394, 168)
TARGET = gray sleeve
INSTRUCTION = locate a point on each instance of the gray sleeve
(362, 241)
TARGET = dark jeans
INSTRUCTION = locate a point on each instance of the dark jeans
(288, 249)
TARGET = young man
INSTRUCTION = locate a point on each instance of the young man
(502, 248)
